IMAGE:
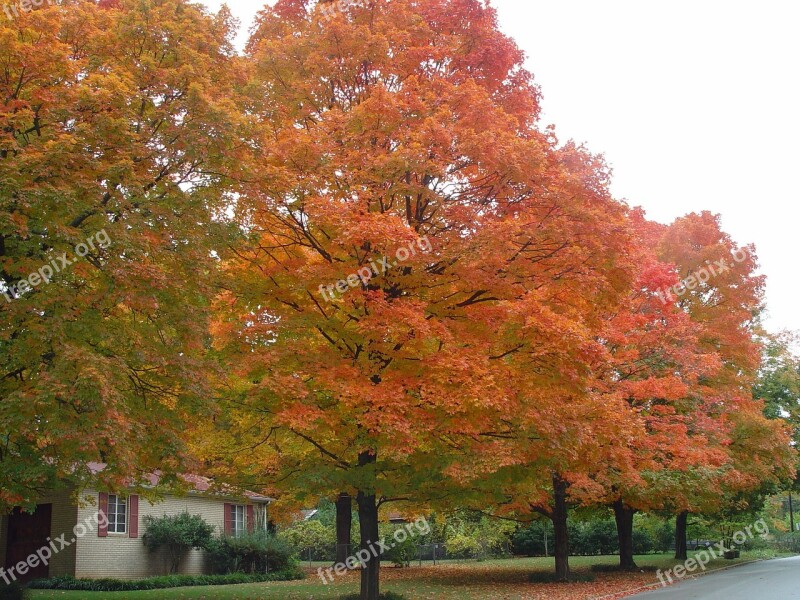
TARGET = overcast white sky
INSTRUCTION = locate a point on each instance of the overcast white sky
(695, 104)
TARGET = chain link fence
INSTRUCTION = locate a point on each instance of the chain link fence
(408, 554)
(788, 542)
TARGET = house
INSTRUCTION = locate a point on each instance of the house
(101, 535)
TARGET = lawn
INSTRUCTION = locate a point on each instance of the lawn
(489, 580)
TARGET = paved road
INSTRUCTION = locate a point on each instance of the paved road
(765, 580)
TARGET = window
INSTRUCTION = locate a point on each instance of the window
(261, 520)
(117, 514)
(238, 520)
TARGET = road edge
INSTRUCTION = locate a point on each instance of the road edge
(655, 586)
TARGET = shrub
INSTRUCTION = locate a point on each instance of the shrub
(177, 534)
(256, 552)
(660, 531)
(311, 537)
(529, 541)
(472, 535)
(12, 592)
(462, 546)
(642, 542)
(399, 553)
(593, 537)
(160, 583)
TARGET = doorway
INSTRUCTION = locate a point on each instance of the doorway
(27, 533)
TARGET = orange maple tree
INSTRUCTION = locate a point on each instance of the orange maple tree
(723, 295)
(411, 230)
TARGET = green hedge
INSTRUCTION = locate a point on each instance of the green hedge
(593, 538)
(250, 553)
(12, 592)
(160, 583)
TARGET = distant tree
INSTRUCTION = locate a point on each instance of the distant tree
(778, 383)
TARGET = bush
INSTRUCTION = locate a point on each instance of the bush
(593, 537)
(661, 532)
(585, 538)
(472, 535)
(178, 534)
(311, 537)
(256, 552)
(529, 541)
(160, 583)
(12, 592)
(399, 553)
(461, 545)
(642, 542)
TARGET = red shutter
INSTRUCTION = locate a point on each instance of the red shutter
(251, 518)
(133, 526)
(102, 515)
(228, 519)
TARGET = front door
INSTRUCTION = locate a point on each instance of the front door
(27, 533)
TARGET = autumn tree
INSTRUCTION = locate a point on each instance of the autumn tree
(654, 364)
(607, 432)
(674, 445)
(410, 228)
(723, 295)
(778, 383)
(117, 126)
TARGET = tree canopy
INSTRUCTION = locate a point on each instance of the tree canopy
(352, 260)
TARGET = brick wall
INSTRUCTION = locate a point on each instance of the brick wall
(122, 557)
(63, 520)
(119, 556)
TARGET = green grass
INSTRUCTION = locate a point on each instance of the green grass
(451, 581)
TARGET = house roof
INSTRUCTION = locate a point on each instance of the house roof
(200, 485)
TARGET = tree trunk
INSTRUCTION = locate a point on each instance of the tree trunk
(368, 520)
(624, 518)
(344, 527)
(681, 551)
(559, 518)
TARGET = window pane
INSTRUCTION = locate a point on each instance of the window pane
(117, 514)
(122, 514)
(112, 514)
(238, 520)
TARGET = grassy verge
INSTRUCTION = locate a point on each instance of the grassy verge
(489, 580)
